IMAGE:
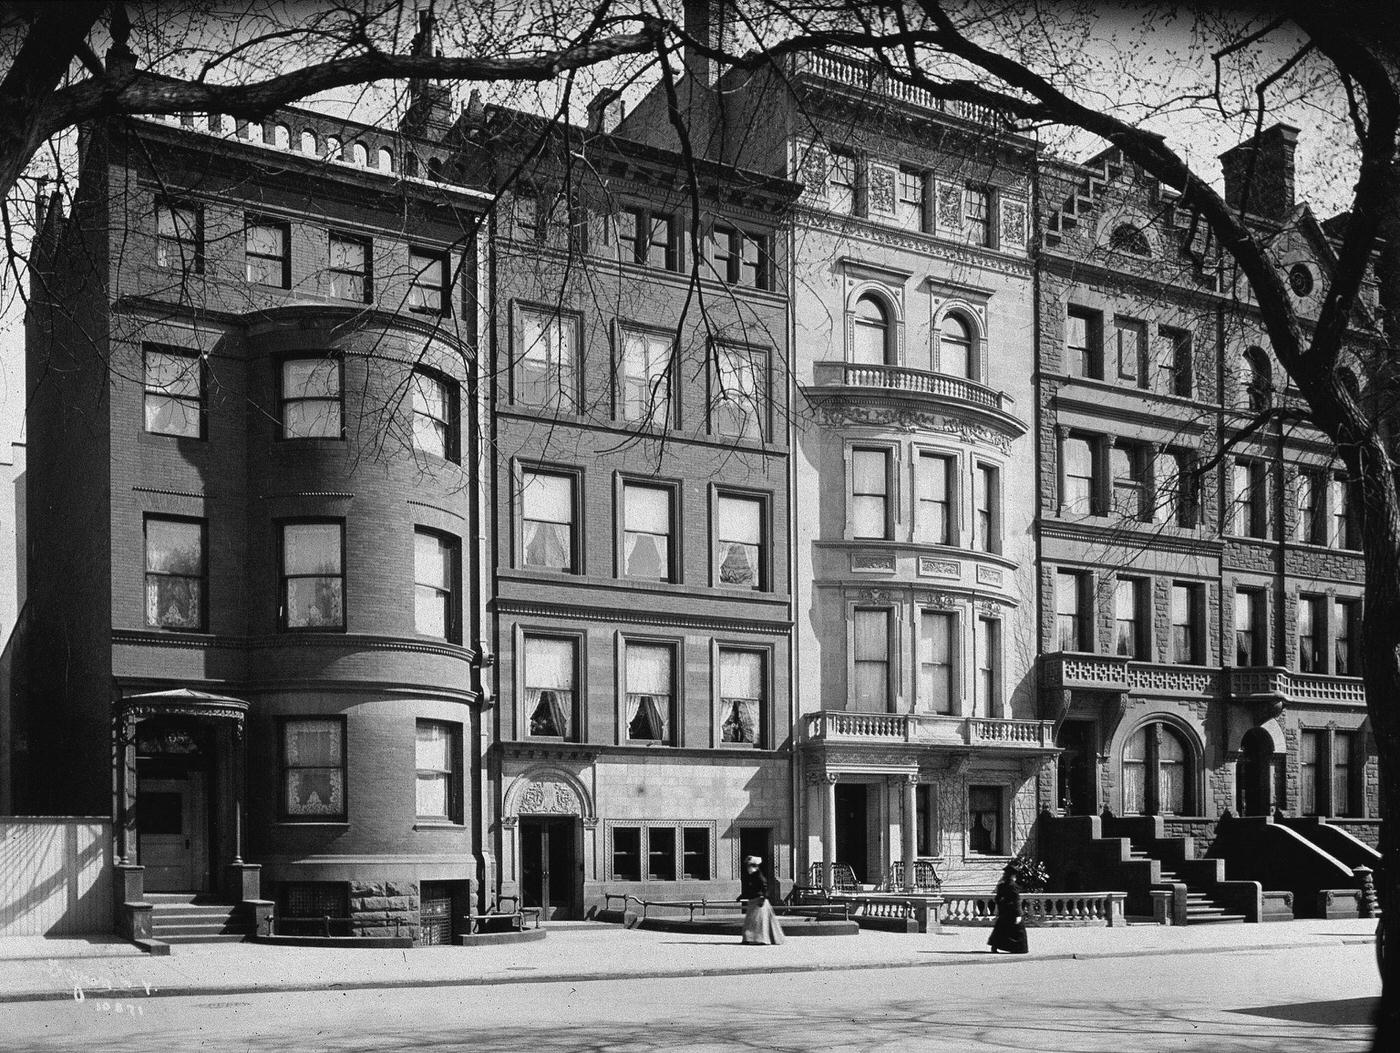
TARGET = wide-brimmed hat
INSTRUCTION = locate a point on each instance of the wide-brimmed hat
(753, 861)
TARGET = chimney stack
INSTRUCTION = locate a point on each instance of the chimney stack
(606, 111)
(1259, 173)
(712, 22)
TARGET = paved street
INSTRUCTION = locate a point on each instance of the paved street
(1296, 999)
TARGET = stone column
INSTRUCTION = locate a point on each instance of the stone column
(1061, 434)
(126, 767)
(910, 829)
(829, 832)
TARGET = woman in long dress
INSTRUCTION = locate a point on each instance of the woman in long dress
(1009, 932)
(760, 923)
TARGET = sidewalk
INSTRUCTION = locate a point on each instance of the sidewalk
(34, 969)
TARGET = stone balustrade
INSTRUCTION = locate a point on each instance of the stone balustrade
(915, 381)
(1273, 682)
(866, 76)
(930, 728)
(1040, 909)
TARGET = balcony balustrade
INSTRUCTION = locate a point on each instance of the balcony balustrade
(1273, 682)
(1101, 672)
(871, 79)
(927, 729)
(914, 381)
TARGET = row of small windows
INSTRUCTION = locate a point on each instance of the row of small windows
(937, 496)
(848, 193)
(1324, 505)
(648, 514)
(1127, 357)
(180, 245)
(553, 686)
(549, 373)
(311, 577)
(309, 400)
(939, 680)
(312, 762)
(644, 237)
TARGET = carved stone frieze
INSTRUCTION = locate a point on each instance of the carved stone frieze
(932, 567)
(1013, 223)
(989, 575)
(549, 798)
(874, 596)
(899, 417)
(942, 600)
(872, 561)
(880, 190)
(949, 203)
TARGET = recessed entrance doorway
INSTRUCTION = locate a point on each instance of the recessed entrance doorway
(551, 872)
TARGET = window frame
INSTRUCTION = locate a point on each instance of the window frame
(764, 704)
(986, 477)
(722, 494)
(1313, 658)
(989, 664)
(972, 194)
(1177, 362)
(1138, 592)
(642, 242)
(1086, 362)
(1134, 486)
(1071, 581)
(1134, 372)
(575, 523)
(905, 204)
(841, 158)
(365, 274)
(451, 424)
(887, 497)
(451, 548)
(196, 240)
(1310, 523)
(283, 399)
(202, 621)
(671, 735)
(1191, 593)
(947, 463)
(1346, 614)
(443, 258)
(927, 701)
(567, 399)
(999, 845)
(455, 813)
(890, 661)
(283, 596)
(284, 814)
(733, 253)
(759, 419)
(1250, 503)
(1094, 446)
(282, 261)
(577, 644)
(674, 558)
(148, 391)
(1252, 635)
(664, 405)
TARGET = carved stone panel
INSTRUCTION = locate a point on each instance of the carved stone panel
(933, 567)
(949, 203)
(880, 196)
(878, 562)
(549, 798)
(813, 164)
(988, 575)
(1013, 223)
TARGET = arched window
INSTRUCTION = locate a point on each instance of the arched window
(333, 149)
(955, 355)
(308, 142)
(386, 159)
(360, 155)
(1157, 772)
(1256, 381)
(256, 132)
(282, 137)
(870, 337)
(1128, 238)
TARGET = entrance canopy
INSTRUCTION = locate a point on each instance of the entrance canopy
(183, 702)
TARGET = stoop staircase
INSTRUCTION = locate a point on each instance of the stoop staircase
(180, 917)
(1201, 907)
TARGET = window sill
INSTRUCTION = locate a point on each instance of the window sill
(438, 824)
(339, 824)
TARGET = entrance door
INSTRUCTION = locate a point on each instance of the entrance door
(1254, 772)
(1076, 768)
(549, 866)
(172, 830)
(852, 828)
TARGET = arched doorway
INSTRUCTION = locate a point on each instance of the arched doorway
(550, 814)
(1254, 773)
(1158, 772)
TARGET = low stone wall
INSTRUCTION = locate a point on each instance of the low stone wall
(1040, 909)
(384, 908)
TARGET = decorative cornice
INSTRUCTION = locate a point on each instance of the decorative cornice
(636, 616)
(1110, 532)
(868, 408)
(1078, 395)
(172, 493)
(289, 641)
(943, 250)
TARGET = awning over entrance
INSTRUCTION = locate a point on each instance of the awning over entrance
(183, 702)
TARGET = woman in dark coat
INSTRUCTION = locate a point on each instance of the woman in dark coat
(760, 923)
(1009, 932)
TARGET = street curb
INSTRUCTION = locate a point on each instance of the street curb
(196, 991)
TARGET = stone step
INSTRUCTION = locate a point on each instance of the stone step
(221, 937)
(1215, 919)
(165, 932)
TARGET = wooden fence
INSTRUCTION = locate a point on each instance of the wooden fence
(55, 875)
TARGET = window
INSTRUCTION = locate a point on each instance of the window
(988, 644)
(1346, 629)
(1131, 344)
(647, 238)
(1179, 503)
(695, 853)
(1128, 468)
(1310, 750)
(926, 815)
(180, 237)
(650, 682)
(870, 332)
(646, 532)
(739, 549)
(1186, 624)
(984, 824)
(311, 398)
(741, 696)
(627, 853)
(1249, 513)
(841, 183)
(435, 611)
(1156, 772)
(909, 209)
(1127, 238)
(739, 404)
(1310, 635)
(428, 282)
(547, 520)
(1256, 387)
(313, 577)
(932, 495)
(174, 387)
(1249, 628)
(870, 488)
(267, 259)
(977, 215)
(438, 749)
(1339, 499)
(661, 853)
(1072, 611)
(1130, 617)
(1174, 361)
(350, 272)
(549, 674)
(435, 416)
(872, 659)
(644, 378)
(1080, 483)
(1342, 794)
(1084, 344)
(546, 371)
(739, 257)
(936, 651)
(313, 770)
(955, 355)
(1309, 527)
(986, 508)
(176, 577)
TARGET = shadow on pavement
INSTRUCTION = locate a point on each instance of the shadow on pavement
(1340, 1011)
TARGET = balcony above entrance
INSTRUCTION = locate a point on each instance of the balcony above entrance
(1115, 673)
(927, 729)
(904, 398)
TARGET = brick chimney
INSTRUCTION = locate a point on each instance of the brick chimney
(1259, 173)
(606, 110)
(711, 21)
(429, 113)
